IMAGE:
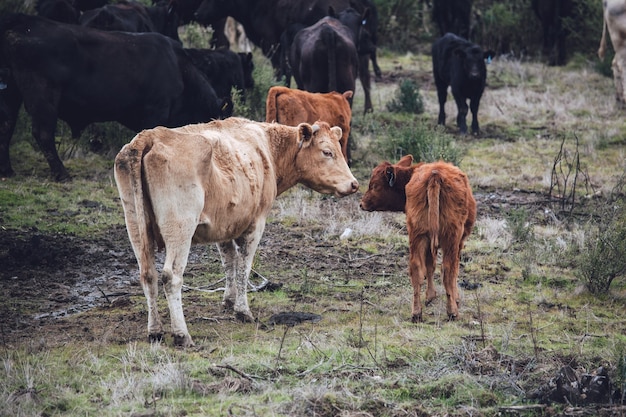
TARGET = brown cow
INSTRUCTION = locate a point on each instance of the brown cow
(615, 22)
(440, 213)
(291, 107)
(216, 182)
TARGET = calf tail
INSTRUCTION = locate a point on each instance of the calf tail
(434, 191)
(128, 176)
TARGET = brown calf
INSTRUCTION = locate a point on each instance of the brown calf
(440, 213)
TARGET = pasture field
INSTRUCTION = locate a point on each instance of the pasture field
(550, 161)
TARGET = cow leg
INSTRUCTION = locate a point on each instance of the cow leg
(417, 271)
(177, 252)
(148, 278)
(247, 244)
(450, 272)
(377, 72)
(442, 95)
(431, 293)
(461, 116)
(8, 118)
(619, 77)
(228, 253)
(364, 76)
(44, 131)
(474, 103)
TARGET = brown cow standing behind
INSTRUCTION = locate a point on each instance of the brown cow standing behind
(216, 182)
(440, 213)
(291, 107)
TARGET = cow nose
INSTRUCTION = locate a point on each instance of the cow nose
(355, 186)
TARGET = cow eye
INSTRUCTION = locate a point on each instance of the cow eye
(327, 153)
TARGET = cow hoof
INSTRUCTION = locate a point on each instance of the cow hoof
(417, 318)
(245, 317)
(183, 340)
(452, 317)
(155, 338)
(430, 300)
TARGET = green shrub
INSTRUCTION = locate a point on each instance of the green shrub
(417, 139)
(253, 107)
(408, 98)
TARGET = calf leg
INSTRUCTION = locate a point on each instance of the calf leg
(450, 272)
(431, 293)
(8, 119)
(364, 76)
(442, 96)
(417, 271)
(619, 77)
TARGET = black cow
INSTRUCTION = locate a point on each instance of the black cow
(551, 14)
(453, 16)
(460, 64)
(134, 17)
(59, 10)
(265, 21)
(83, 75)
(224, 69)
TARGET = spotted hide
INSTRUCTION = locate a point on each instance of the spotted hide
(216, 182)
(440, 213)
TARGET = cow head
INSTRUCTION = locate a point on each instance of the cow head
(386, 191)
(319, 162)
(473, 61)
(209, 11)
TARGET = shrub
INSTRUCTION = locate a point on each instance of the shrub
(253, 107)
(425, 144)
(408, 98)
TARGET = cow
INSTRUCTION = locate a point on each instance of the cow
(324, 57)
(216, 183)
(440, 214)
(224, 69)
(453, 16)
(292, 107)
(460, 64)
(615, 22)
(132, 16)
(82, 75)
(551, 14)
(265, 21)
(59, 10)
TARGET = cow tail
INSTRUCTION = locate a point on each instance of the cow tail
(330, 39)
(271, 106)
(128, 175)
(434, 191)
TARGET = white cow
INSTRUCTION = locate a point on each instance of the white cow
(216, 182)
(615, 22)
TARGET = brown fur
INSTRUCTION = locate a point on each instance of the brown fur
(291, 107)
(440, 211)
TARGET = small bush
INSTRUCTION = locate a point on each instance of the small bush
(253, 107)
(425, 144)
(408, 99)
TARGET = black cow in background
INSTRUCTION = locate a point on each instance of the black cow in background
(453, 16)
(59, 10)
(551, 14)
(224, 69)
(460, 64)
(83, 75)
(132, 16)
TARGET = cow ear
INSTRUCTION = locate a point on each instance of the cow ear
(390, 174)
(336, 130)
(305, 133)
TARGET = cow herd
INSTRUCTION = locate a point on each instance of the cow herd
(194, 174)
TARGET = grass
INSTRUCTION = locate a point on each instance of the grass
(530, 315)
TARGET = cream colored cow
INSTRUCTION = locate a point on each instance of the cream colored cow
(615, 23)
(216, 182)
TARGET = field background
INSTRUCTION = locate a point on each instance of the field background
(73, 316)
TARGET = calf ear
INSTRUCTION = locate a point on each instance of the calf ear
(405, 161)
(305, 133)
(390, 174)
